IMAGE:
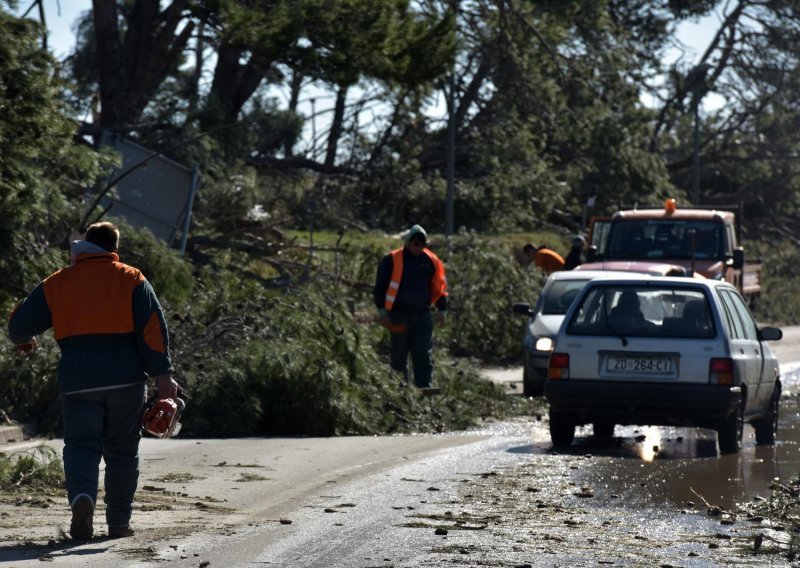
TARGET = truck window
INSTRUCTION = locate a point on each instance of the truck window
(599, 233)
(729, 232)
(663, 239)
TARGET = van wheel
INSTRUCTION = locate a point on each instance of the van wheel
(729, 432)
(767, 428)
(562, 428)
(603, 429)
(527, 385)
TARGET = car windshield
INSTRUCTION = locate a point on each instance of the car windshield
(666, 239)
(643, 311)
(560, 295)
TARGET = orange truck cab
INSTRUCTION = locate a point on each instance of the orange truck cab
(703, 240)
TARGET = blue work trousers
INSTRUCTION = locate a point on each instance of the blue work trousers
(104, 424)
(418, 339)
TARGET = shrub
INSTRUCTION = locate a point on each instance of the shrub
(484, 281)
(313, 370)
(39, 468)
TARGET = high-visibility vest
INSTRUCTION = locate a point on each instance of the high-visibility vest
(549, 260)
(438, 282)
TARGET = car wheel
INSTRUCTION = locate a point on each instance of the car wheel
(729, 433)
(603, 429)
(562, 428)
(767, 428)
(528, 389)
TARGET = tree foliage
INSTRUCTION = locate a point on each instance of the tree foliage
(43, 172)
(333, 115)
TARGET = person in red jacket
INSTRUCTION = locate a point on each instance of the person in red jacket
(409, 281)
(109, 326)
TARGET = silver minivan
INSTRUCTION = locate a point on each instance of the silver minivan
(663, 351)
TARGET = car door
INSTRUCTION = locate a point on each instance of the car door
(745, 347)
(765, 383)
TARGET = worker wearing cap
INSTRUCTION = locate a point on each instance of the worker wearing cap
(575, 254)
(409, 281)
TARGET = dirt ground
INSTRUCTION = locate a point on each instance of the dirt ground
(167, 508)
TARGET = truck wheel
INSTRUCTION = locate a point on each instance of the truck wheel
(603, 429)
(767, 427)
(729, 432)
(562, 428)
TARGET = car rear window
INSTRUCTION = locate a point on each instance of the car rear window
(644, 311)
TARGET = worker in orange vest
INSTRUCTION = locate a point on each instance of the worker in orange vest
(409, 281)
(545, 258)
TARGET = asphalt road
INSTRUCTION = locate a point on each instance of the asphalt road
(380, 501)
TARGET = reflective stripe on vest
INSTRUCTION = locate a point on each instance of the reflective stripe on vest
(438, 284)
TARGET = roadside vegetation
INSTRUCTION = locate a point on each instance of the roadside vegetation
(37, 469)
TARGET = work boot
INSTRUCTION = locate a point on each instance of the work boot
(82, 513)
(120, 532)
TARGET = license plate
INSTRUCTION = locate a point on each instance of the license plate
(644, 365)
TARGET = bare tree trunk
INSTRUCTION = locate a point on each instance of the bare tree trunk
(234, 83)
(194, 94)
(295, 86)
(336, 127)
(294, 92)
(130, 71)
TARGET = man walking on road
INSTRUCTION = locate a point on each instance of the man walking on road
(109, 325)
(409, 281)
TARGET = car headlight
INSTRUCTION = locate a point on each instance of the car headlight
(544, 344)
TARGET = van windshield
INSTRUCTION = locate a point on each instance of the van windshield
(658, 239)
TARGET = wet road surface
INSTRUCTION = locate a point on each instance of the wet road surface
(676, 465)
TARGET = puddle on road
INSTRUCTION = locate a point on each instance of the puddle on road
(663, 465)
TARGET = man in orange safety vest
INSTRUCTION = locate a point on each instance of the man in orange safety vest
(409, 281)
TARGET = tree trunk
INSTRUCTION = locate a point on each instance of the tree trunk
(194, 94)
(234, 83)
(336, 127)
(131, 71)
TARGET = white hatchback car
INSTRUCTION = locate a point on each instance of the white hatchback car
(544, 319)
(663, 351)
(557, 294)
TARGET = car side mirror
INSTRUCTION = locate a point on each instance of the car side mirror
(738, 258)
(770, 334)
(591, 253)
(522, 309)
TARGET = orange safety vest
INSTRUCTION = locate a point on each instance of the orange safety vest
(549, 260)
(438, 281)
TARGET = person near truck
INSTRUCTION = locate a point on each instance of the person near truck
(575, 255)
(409, 281)
(544, 257)
(110, 328)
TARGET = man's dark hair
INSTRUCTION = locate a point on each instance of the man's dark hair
(529, 247)
(104, 234)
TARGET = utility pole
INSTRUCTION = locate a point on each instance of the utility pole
(451, 156)
(696, 83)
